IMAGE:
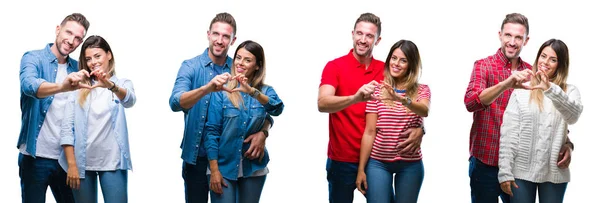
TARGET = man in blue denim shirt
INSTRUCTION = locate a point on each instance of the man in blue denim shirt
(196, 80)
(45, 76)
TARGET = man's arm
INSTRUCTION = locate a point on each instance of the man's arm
(183, 97)
(330, 103)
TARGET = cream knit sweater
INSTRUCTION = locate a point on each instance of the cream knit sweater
(530, 139)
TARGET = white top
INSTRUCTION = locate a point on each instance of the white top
(530, 139)
(102, 149)
(48, 141)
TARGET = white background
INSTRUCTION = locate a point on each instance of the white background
(150, 40)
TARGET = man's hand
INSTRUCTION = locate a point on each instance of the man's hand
(564, 156)
(216, 84)
(257, 146)
(517, 79)
(365, 93)
(74, 81)
(413, 142)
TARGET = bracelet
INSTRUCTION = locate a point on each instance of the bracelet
(114, 88)
(266, 132)
(255, 93)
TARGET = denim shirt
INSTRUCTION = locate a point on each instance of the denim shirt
(74, 127)
(228, 126)
(193, 74)
(37, 66)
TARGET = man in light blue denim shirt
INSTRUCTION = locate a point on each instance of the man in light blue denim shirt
(196, 80)
(45, 76)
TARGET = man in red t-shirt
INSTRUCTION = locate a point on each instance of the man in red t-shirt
(347, 83)
(492, 82)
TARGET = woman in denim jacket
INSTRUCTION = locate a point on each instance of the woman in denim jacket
(234, 114)
(94, 131)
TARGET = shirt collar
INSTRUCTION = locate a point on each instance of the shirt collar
(206, 61)
(354, 62)
(504, 60)
(51, 57)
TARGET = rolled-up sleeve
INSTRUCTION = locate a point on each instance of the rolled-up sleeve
(476, 86)
(29, 77)
(183, 83)
(130, 98)
(275, 106)
(214, 126)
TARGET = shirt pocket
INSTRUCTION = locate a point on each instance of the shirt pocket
(257, 111)
(230, 111)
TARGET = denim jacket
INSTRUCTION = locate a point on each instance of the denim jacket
(228, 126)
(194, 73)
(37, 66)
(74, 127)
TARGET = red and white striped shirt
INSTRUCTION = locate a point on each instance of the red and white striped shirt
(392, 121)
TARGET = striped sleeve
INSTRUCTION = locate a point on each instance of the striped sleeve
(424, 92)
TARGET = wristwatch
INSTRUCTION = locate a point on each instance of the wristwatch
(266, 132)
(255, 93)
(408, 101)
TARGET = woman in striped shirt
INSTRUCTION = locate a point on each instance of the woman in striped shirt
(401, 104)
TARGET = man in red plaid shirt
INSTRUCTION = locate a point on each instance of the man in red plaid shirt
(492, 82)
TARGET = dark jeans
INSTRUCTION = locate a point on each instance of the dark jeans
(485, 187)
(37, 174)
(195, 181)
(548, 192)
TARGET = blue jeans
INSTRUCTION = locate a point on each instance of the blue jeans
(549, 192)
(242, 190)
(485, 187)
(113, 184)
(37, 174)
(195, 181)
(406, 183)
(342, 181)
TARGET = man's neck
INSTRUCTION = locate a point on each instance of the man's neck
(366, 60)
(217, 60)
(514, 63)
(61, 59)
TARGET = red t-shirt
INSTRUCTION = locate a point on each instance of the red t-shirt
(347, 126)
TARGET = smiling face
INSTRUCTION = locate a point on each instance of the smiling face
(548, 61)
(365, 38)
(513, 37)
(220, 37)
(98, 58)
(398, 64)
(68, 37)
(245, 62)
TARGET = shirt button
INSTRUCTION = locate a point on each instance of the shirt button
(54, 70)
(207, 102)
(39, 126)
(202, 116)
(197, 146)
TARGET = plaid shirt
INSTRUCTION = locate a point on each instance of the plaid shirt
(484, 142)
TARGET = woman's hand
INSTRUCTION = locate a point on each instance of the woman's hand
(393, 95)
(506, 187)
(73, 177)
(361, 180)
(244, 86)
(103, 79)
(216, 181)
(544, 82)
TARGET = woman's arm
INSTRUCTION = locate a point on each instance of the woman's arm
(567, 103)
(365, 151)
(509, 138)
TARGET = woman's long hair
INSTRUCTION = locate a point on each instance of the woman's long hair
(257, 78)
(560, 74)
(410, 82)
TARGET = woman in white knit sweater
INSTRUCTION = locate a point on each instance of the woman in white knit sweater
(534, 128)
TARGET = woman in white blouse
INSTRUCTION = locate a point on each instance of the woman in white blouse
(534, 128)
(94, 133)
